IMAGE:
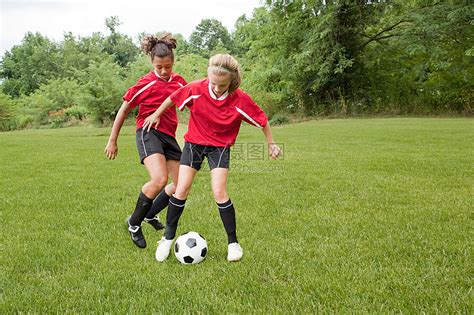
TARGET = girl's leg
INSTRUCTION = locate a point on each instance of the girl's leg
(161, 201)
(156, 167)
(175, 209)
(173, 170)
(226, 211)
(226, 208)
(158, 171)
(177, 201)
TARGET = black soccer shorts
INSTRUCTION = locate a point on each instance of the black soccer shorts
(153, 141)
(194, 154)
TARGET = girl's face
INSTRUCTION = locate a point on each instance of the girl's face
(219, 83)
(163, 66)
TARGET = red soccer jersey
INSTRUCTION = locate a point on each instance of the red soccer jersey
(149, 93)
(216, 121)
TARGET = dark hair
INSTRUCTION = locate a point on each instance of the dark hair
(159, 46)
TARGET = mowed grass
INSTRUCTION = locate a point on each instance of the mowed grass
(361, 215)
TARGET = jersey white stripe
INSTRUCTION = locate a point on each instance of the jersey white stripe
(187, 100)
(143, 89)
(248, 117)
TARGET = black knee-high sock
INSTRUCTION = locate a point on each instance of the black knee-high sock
(227, 213)
(160, 202)
(143, 205)
(175, 209)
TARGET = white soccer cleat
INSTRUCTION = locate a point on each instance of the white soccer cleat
(163, 249)
(234, 252)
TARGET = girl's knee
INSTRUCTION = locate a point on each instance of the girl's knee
(220, 195)
(155, 185)
(159, 182)
(170, 189)
(181, 192)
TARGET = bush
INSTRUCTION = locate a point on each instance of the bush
(8, 111)
(63, 93)
(25, 121)
(103, 89)
(76, 112)
(36, 106)
(279, 119)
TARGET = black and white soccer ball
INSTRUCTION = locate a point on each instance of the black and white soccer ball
(190, 248)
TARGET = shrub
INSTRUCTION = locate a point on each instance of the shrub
(77, 112)
(279, 119)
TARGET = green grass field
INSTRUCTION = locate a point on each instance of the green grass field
(361, 215)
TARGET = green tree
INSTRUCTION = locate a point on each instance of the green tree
(191, 67)
(209, 35)
(77, 53)
(444, 35)
(29, 65)
(103, 89)
(119, 46)
(182, 45)
(422, 65)
(137, 69)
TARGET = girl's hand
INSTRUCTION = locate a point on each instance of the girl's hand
(111, 150)
(274, 151)
(151, 120)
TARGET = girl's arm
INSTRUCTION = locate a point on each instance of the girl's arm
(154, 119)
(273, 149)
(111, 149)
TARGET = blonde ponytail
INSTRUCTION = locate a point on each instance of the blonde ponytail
(224, 63)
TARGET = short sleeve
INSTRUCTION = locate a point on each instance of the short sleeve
(183, 96)
(182, 81)
(138, 92)
(250, 111)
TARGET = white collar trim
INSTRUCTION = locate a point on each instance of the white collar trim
(211, 93)
(156, 73)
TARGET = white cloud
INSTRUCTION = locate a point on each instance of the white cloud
(83, 17)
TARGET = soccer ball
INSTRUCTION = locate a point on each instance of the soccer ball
(190, 248)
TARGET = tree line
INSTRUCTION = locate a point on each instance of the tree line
(300, 58)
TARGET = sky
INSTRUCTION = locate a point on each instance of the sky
(52, 18)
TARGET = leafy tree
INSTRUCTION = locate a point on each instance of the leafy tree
(103, 87)
(191, 67)
(444, 33)
(319, 48)
(137, 69)
(422, 65)
(352, 56)
(63, 93)
(77, 53)
(182, 45)
(120, 46)
(29, 65)
(240, 36)
(208, 35)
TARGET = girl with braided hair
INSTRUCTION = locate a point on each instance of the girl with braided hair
(217, 108)
(157, 147)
